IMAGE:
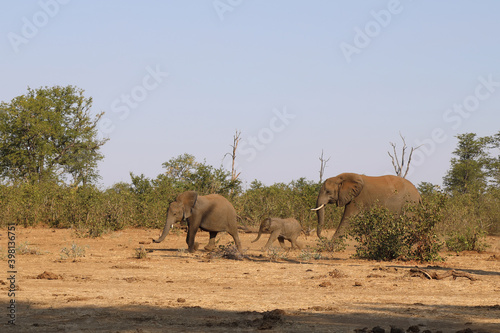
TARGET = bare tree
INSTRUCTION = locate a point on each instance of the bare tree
(322, 166)
(399, 165)
(236, 141)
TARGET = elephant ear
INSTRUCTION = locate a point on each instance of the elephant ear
(350, 187)
(266, 224)
(188, 199)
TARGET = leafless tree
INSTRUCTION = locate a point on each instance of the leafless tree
(399, 165)
(322, 166)
(236, 141)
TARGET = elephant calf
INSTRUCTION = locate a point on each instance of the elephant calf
(281, 229)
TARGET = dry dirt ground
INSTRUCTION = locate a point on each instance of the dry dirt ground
(111, 290)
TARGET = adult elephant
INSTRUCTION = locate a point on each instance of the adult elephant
(359, 192)
(212, 213)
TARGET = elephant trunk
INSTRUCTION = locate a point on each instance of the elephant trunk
(264, 227)
(164, 234)
(258, 236)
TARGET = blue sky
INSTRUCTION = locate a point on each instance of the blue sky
(295, 77)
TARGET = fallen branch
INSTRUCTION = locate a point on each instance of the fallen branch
(434, 275)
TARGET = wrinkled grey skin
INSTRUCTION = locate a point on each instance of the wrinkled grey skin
(212, 213)
(359, 192)
(280, 229)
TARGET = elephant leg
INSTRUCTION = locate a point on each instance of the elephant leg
(274, 235)
(211, 241)
(295, 244)
(344, 222)
(281, 239)
(192, 245)
(234, 234)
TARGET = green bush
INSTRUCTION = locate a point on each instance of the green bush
(422, 239)
(330, 245)
(383, 235)
(467, 218)
(74, 252)
(380, 234)
(469, 240)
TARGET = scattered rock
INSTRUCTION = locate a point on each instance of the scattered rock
(321, 308)
(386, 269)
(271, 319)
(361, 330)
(131, 279)
(181, 300)
(325, 284)
(397, 330)
(413, 329)
(375, 276)
(337, 274)
(467, 330)
(77, 299)
(126, 266)
(378, 329)
(49, 276)
(357, 284)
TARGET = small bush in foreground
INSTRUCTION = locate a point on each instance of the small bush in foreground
(141, 253)
(74, 252)
(330, 245)
(383, 235)
(380, 234)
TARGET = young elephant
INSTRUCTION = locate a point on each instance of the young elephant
(281, 229)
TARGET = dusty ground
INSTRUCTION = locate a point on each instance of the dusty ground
(110, 290)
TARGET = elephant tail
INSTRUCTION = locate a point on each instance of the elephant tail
(246, 229)
(244, 226)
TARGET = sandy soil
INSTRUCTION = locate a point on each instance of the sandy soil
(111, 290)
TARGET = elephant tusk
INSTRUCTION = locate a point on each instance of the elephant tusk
(323, 205)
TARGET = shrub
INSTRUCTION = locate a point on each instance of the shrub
(74, 252)
(467, 218)
(472, 239)
(422, 240)
(25, 248)
(330, 245)
(380, 234)
(141, 253)
(383, 235)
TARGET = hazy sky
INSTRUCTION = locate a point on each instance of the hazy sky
(295, 77)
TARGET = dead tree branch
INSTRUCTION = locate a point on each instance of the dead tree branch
(322, 166)
(399, 164)
(435, 276)
(236, 141)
